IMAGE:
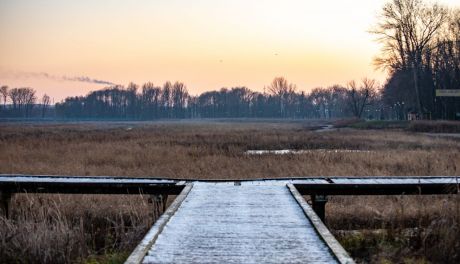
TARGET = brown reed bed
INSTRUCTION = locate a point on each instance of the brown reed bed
(82, 228)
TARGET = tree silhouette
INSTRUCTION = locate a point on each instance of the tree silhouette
(283, 91)
(4, 92)
(45, 103)
(408, 29)
(362, 96)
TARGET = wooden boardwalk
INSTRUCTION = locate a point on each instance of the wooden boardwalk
(251, 222)
(254, 221)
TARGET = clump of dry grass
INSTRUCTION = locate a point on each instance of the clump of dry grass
(435, 126)
(347, 122)
(78, 226)
(68, 228)
(389, 229)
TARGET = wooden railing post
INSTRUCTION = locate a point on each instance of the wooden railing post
(159, 204)
(319, 205)
(164, 200)
(5, 199)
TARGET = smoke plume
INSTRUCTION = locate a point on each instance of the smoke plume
(44, 75)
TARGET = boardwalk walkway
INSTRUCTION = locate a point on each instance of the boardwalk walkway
(247, 223)
(253, 221)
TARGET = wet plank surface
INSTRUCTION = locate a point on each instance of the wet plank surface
(248, 223)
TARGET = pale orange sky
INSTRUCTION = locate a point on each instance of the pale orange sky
(207, 44)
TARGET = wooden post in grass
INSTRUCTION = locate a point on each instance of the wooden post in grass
(5, 199)
(159, 204)
(319, 205)
(164, 200)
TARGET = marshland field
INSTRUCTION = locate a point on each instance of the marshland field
(45, 228)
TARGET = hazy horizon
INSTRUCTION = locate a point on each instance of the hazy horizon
(69, 48)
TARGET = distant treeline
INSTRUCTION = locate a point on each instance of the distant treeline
(172, 100)
(281, 99)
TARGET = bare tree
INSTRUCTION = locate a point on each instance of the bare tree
(445, 65)
(283, 90)
(407, 30)
(4, 92)
(150, 100)
(14, 95)
(29, 99)
(179, 98)
(132, 99)
(23, 100)
(361, 96)
(45, 103)
(166, 98)
(320, 98)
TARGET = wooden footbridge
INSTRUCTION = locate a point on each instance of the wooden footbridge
(243, 221)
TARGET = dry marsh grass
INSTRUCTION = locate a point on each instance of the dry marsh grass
(435, 126)
(196, 150)
(79, 226)
(68, 228)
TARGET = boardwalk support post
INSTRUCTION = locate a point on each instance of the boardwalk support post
(5, 199)
(319, 205)
(164, 201)
(143, 247)
(159, 204)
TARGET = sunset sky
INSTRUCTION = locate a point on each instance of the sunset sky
(207, 44)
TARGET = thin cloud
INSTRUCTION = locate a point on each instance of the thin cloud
(45, 75)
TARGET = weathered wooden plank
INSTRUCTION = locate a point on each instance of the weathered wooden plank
(337, 249)
(87, 185)
(378, 188)
(142, 248)
(228, 223)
